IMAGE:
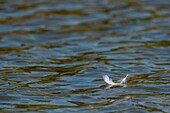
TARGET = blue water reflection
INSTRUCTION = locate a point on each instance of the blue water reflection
(53, 55)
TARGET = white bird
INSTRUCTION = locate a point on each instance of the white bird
(109, 81)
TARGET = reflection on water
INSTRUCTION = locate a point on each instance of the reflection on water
(53, 55)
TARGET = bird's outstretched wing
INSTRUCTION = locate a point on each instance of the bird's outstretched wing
(108, 80)
(123, 81)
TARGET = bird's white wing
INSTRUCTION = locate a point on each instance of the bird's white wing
(108, 80)
(123, 81)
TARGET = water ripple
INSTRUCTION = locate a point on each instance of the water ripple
(53, 55)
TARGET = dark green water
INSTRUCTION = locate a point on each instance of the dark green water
(53, 55)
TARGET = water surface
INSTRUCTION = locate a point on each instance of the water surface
(53, 55)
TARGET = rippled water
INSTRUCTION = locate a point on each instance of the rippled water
(53, 55)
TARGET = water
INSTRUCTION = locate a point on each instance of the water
(53, 55)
